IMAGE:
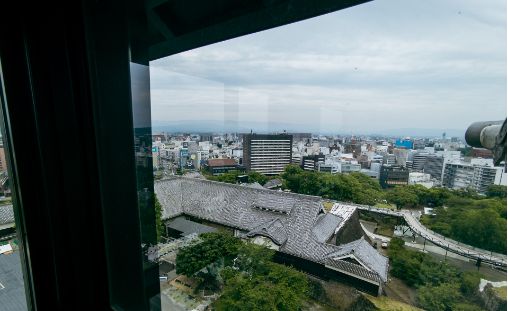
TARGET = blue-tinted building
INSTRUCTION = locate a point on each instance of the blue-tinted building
(404, 143)
(184, 157)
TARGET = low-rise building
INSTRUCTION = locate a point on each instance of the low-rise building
(419, 160)
(475, 177)
(329, 167)
(312, 162)
(418, 178)
(221, 166)
(389, 159)
(348, 167)
(434, 166)
(391, 176)
(370, 173)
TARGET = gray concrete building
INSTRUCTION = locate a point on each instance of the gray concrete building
(419, 161)
(312, 162)
(434, 166)
(267, 154)
(475, 177)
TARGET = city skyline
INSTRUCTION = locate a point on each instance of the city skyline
(349, 71)
(224, 127)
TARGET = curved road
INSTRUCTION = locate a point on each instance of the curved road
(446, 243)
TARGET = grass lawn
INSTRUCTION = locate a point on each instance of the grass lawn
(328, 205)
(385, 205)
(501, 291)
(387, 304)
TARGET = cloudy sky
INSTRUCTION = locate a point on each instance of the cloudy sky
(383, 65)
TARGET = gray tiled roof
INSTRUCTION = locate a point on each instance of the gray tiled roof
(293, 221)
(272, 183)
(188, 227)
(352, 269)
(12, 295)
(325, 226)
(6, 214)
(254, 185)
(273, 202)
(273, 229)
(364, 252)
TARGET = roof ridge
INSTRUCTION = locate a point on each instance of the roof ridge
(280, 193)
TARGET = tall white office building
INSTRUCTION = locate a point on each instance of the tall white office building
(267, 154)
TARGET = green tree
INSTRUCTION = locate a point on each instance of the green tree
(257, 177)
(402, 197)
(439, 298)
(469, 283)
(480, 222)
(496, 191)
(365, 190)
(466, 193)
(355, 187)
(416, 268)
(434, 273)
(407, 268)
(481, 228)
(212, 247)
(396, 245)
(159, 225)
(437, 196)
(229, 177)
(291, 177)
(310, 184)
(280, 288)
(253, 259)
(465, 306)
(437, 283)
(404, 264)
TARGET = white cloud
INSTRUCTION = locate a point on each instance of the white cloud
(384, 64)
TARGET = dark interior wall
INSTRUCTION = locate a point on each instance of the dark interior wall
(51, 157)
(177, 26)
(68, 115)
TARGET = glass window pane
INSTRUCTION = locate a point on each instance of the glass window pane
(12, 280)
(337, 144)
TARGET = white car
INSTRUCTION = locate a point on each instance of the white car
(384, 245)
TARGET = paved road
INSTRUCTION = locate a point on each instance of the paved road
(412, 221)
(374, 236)
(169, 305)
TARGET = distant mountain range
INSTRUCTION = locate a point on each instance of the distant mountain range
(227, 126)
(416, 132)
(192, 126)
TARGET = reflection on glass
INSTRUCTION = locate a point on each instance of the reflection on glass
(140, 86)
(12, 290)
(320, 164)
